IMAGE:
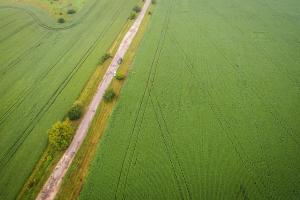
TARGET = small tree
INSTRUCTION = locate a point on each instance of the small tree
(132, 16)
(76, 111)
(120, 76)
(137, 9)
(105, 57)
(109, 95)
(61, 20)
(71, 11)
(60, 135)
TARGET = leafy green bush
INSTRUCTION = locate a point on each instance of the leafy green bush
(120, 76)
(137, 9)
(60, 135)
(71, 11)
(109, 95)
(61, 20)
(105, 57)
(153, 1)
(132, 16)
(76, 111)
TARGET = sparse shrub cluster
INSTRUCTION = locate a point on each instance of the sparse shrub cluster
(61, 20)
(76, 111)
(109, 95)
(60, 135)
(120, 76)
(137, 9)
(132, 16)
(71, 11)
(105, 57)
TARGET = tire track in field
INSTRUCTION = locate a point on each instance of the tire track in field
(262, 50)
(275, 113)
(6, 157)
(36, 18)
(18, 30)
(270, 108)
(7, 24)
(170, 147)
(177, 179)
(222, 121)
(29, 90)
(9, 16)
(139, 112)
(249, 166)
(12, 63)
(154, 60)
(22, 96)
(48, 27)
(265, 3)
(148, 87)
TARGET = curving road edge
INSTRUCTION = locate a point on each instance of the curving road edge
(53, 183)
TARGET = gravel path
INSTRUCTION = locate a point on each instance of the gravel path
(52, 185)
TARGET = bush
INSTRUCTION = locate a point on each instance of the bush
(109, 95)
(71, 11)
(153, 1)
(105, 57)
(60, 135)
(120, 76)
(61, 20)
(137, 9)
(132, 16)
(76, 111)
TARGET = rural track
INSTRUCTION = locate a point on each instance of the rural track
(52, 185)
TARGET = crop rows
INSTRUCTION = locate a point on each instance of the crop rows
(209, 110)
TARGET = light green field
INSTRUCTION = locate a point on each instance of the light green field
(43, 67)
(210, 109)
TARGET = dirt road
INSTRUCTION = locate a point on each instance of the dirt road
(52, 185)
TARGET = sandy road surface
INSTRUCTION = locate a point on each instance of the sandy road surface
(52, 185)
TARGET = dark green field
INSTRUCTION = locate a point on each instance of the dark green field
(211, 107)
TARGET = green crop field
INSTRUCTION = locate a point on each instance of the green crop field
(211, 107)
(43, 68)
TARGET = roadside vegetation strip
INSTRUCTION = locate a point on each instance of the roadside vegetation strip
(73, 181)
(51, 187)
(50, 157)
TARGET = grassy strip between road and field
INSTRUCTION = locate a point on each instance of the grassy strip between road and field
(74, 179)
(50, 157)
